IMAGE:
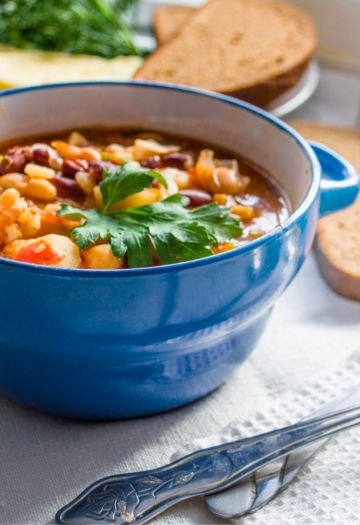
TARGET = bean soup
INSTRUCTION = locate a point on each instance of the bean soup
(113, 199)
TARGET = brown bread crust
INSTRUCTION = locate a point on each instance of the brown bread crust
(338, 236)
(266, 93)
(263, 88)
(167, 21)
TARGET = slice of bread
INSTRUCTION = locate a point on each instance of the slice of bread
(168, 19)
(338, 236)
(253, 49)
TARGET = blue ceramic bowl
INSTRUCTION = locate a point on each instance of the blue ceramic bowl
(119, 344)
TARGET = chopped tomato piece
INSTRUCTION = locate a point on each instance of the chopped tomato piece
(38, 253)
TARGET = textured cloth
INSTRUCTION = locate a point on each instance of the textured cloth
(307, 356)
(327, 491)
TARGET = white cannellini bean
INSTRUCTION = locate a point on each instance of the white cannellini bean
(39, 172)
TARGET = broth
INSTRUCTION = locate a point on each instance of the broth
(110, 199)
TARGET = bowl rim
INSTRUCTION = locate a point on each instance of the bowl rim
(315, 173)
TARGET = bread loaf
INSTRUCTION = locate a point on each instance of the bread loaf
(167, 21)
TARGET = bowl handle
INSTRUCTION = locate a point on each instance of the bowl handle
(340, 183)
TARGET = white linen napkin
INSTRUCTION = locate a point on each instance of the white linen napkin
(328, 489)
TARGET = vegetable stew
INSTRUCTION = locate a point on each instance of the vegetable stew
(111, 199)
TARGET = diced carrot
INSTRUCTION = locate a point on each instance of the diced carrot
(67, 151)
(256, 235)
(49, 218)
(224, 247)
(220, 198)
(244, 212)
(51, 223)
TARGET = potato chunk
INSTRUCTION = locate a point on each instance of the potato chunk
(101, 257)
(49, 250)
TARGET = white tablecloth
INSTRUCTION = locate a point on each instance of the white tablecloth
(303, 359)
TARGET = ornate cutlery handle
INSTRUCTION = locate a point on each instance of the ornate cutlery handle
(252, 493)
(138, 497)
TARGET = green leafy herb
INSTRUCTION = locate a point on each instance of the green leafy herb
(93, 27)
(119, 183)
(167, 228)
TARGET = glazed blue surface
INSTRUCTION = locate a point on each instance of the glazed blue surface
(119, 344)
(337, 189)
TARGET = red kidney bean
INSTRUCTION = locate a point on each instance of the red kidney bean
(197, 197)
(97, 168)
(14, 163)
(71, 167)
(21, 150)
(5, 163)
(152, 163)
(15, 160)
(68, 189)
(41, 156)
(182, 161)
(28, 154)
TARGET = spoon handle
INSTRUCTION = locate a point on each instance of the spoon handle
(138, 497)
(252, 493)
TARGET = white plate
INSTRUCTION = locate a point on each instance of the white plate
(299, 94)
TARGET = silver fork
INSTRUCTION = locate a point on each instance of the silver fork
(138, 497)
(254, 492)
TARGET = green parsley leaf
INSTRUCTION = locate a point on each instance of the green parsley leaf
(121, 182)
(218, 221)
(166, 229)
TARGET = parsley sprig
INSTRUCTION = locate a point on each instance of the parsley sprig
(167, 229)
(94, 27)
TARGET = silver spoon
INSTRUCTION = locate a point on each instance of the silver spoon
(251, 494)
(139, 497)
